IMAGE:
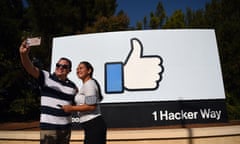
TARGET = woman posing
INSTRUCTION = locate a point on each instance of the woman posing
(87, 105)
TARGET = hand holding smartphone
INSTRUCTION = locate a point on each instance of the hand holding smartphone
(58, 105)
(35, 41)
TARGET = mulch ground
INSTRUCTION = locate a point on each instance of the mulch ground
(34, 125)
(20, 125)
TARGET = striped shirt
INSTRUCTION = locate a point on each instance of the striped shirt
(55, 92)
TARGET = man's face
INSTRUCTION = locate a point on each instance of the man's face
(62, 69)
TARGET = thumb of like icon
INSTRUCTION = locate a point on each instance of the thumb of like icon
(141, 72)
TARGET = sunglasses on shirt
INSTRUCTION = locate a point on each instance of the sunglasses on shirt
(62, 65)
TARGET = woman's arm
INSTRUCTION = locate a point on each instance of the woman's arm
(80, 108)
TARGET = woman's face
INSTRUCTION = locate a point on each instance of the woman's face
(83, 72)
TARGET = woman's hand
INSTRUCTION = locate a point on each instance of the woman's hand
(67, 108)
(78, 108)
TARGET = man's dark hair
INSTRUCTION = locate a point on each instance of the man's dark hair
(69, 62)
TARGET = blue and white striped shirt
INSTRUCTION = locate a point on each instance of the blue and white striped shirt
(55, 92)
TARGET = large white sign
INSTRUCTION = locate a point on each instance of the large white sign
(150, 65)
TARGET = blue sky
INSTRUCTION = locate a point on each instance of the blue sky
(137, 9)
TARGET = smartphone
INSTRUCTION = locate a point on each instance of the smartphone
(58, 105)
(35, 41)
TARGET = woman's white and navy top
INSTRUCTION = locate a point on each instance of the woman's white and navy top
(88, 94)
(55, 92)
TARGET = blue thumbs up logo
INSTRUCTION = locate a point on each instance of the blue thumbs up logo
(138, 73)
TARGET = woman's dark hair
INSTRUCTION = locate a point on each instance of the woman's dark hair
(90, 67)
(99, 90)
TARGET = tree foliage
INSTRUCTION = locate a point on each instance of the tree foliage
(176, 20)
(19, 94)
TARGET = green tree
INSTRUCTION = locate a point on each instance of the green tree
(154, 21)
(160, 13)
(139, 25)
(145, 21)
(158, 17)
(19, 94)
(176, 20)
(12, 75)
(195, 19)
(107, 24)
(222, 16)
(225, 19)
(63, 17)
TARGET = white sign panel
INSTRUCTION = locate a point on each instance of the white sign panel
(147, 66)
